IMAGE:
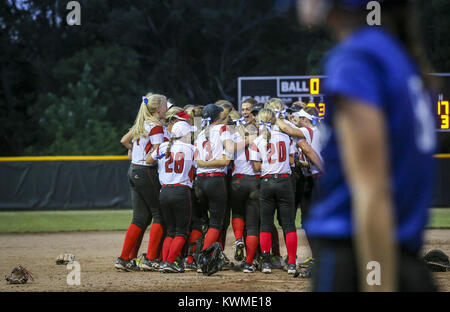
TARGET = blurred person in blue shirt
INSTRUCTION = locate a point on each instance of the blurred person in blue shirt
(367, 227)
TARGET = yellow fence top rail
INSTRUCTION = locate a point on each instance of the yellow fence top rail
(442, 156)
(63, 158)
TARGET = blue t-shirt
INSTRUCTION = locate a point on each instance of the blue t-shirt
(373, 66)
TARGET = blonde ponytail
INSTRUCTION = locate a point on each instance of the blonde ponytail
(265, 117)
(147, 114)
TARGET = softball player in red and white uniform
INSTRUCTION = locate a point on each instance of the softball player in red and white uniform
(244, 195)
(145, 135)
(176, 173)
(214, 149)
(272, 153)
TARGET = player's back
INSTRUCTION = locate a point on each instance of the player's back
(361, 68)
(211, 147)
(145, 144)
(176, 168)
(275, 156)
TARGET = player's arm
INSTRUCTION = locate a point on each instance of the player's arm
(152, 157)
(289, 130)
(216, 163)
(127, 140)
(311, 154)
(365, 161)
(256, 166)
(242, 144)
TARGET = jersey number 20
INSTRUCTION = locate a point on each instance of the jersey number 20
(281, 147)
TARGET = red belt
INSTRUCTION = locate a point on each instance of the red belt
(317, 175)
(170, 185)
(276, 175)
(213, 174)
(239, 176)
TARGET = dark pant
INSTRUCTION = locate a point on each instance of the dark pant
(305, 185)
(176, 208)
(212, 196)
(200, 219)
(335, 268)
(144, 195)
(244, 197)
(277, 193)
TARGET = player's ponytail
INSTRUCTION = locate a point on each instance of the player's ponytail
(266, 119)
(239, 123)
(169, 147)
(277, 106)
(147, 114)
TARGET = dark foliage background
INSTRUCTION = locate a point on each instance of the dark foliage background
(75, 90)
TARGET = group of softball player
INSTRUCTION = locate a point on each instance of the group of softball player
(194, 168)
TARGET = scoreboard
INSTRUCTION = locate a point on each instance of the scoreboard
(309, 89)
(441, 103)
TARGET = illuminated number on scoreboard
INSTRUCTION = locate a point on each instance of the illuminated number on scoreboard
(321, 109)
(314, 86)
(444, 114)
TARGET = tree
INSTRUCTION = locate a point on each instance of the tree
(74, 124)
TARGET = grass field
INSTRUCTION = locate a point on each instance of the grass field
(107, 220)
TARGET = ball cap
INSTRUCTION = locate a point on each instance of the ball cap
(181, 128)
(256, 108)
(211, 111)
(182, 116)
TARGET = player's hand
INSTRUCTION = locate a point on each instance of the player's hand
(160, 156)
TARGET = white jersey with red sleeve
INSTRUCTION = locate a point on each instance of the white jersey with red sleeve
(242, 162)
(276, 159)
(145, 145)
(312, 137)
(178, 167)
(212, 149)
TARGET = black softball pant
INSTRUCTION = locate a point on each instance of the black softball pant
(144, 195)
(200, 219)
(305, 185)
(277, 193)
(175, 202)
(244, 197)
(212, 196)
(335, 268)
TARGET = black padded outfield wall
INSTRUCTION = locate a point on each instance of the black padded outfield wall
(103, 184)
(39, 185)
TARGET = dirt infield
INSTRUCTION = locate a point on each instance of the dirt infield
(97, 251)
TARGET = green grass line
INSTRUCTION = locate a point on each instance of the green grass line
(110, 220)
(61, 221)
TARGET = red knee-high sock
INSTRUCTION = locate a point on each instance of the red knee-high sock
(134, 251)
(130, 240)
(275, 242)
(211, 237)
(166, 247)
(238, 227)
(175, 248)
(291, 246)
(156, 231)
(265, 240)
(251, 244)
(195, 235)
